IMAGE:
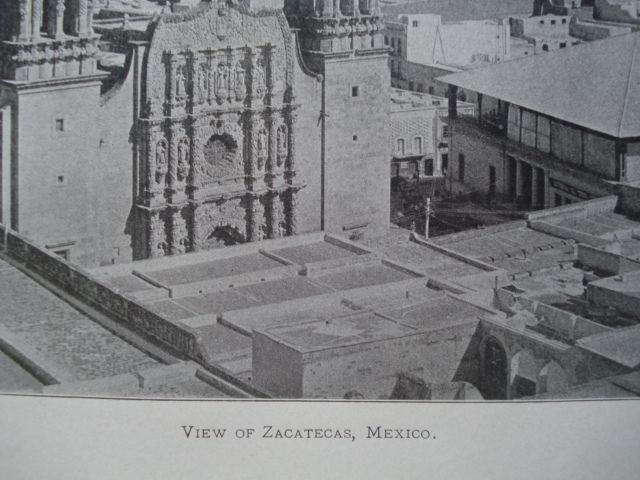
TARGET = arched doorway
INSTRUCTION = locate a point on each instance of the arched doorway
(495, 376)
(225, 236)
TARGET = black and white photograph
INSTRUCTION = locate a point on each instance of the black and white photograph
(349, 204)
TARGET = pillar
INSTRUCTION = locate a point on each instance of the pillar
(547, 193)
(83, 18)
(24, 25)
(518, 181)
(535, 201)
(36, 19)
(196, 228)
(56, 18)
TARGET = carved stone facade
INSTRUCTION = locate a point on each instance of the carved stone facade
(217, 157)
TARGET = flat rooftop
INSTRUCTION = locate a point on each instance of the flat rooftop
(324, 334)
(620, 346)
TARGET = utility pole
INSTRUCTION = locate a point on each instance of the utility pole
(427, 215)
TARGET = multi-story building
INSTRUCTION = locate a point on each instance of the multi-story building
(551, 129)
(423, 48)
(420, 134)
(224, 126)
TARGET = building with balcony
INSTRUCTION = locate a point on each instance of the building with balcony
(547, 132)
(420, 134)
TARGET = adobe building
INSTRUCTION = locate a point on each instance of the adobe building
(540, 146)
(230, 122)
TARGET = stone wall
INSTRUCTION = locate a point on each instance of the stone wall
(81, 284)
(605, 262)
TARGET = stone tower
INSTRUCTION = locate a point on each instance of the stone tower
(49, 96)
(342, 41)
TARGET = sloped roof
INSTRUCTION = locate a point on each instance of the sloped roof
(595, 85)
(456, 10)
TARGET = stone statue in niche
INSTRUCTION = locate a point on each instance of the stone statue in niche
(240, 83)
(181, 89)
(262, 150)
(182, 246)
(183, 159)
(161, 162)
(259, 79)
(282, 144)
(202, 84)
(222, 82)
(161, 249)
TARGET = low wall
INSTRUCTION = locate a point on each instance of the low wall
(83, 285)
(567, 233)
(479, 232)
(577, 210)
(629, 200)
(606, 262)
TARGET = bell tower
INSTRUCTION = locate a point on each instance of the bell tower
(342, 41)
(49, 103)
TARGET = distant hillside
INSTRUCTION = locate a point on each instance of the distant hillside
(453, 10)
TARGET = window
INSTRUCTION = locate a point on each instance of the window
(400, 146)
(461, 168)
(564, 21)
(445, 163)
(563, 44)
(557, 200)
(445, 131)
(431, 90)
(545, 48)
(355, 138)
(60, 180)
(386, 40)
(417, 145)
(399, 47)
(393, 43)
(411, 86)
(355, 91)
(420, 87)
(59, 125)
(553, 22)
(541, 22)
(415, 23)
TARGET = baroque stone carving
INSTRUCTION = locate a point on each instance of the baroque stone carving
(222, 82)
(240, 83)
(183, 159)
(162, 166)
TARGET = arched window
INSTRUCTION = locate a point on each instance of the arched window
(417, 145)
(220, 154)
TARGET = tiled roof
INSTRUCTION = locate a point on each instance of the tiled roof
(595, 85)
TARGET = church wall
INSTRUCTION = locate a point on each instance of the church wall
(308, 144)
(57, 167)
(357, 154)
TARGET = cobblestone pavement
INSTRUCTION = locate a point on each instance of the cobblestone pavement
(67, 338)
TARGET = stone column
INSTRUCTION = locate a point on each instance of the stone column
(197, 158)
(273, 147)
(157, 236)
(518, 181)
(91, 5)
(290, 164)
(150, 164)
(24, 25)
(83, 18)
(256, 232)
(36, 19)
(275, 215)
(292, 212)
(327, 8)
(196, 228)
(55, 28)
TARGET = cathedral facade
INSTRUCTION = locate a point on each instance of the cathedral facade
(231, 122)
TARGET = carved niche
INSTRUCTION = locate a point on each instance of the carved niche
(161, 163)
(282, 145)
(182, 170)
(262, 149)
